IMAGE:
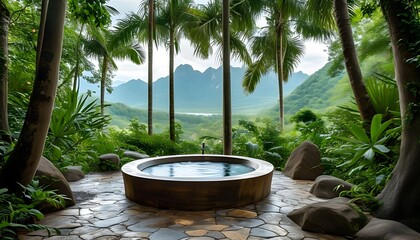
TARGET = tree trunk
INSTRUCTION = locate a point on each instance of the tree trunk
(227, 103)
(171, 85)
(77, 67)
(23, 161)
(280, 72)
(401, 196)
(150, 68)
(4, 52)
(352, 63)
(103, 82)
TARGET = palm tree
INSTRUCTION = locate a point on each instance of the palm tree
(150, 28)
(170, 18)
(286, 20)
(170, 21)
(340, 12)
(227, 103)
(236, 18)
(141, 26)
(100, 45)
(361, 96)
(92, 14)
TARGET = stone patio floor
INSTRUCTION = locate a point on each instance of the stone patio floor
(103, 212)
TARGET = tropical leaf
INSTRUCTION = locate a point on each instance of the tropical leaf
(359, 133)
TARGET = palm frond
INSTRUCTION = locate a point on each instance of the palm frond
(293, 52)
(253, 74)
(239, 49)
(131, 27)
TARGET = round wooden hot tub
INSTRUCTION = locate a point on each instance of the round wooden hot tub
(197, 192)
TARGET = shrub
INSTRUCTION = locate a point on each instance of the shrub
(19, 212)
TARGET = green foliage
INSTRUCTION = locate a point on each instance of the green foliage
(18, 104)
(74, 121)
(310, 126)
(361, 158)
(363, 146)
(362, 199)
(90, 11)
(136, 138)
(23, 36)
(261, 139)
(383, 94)
(41, 198)
(316, 92)
(305, 116)
(18, 212)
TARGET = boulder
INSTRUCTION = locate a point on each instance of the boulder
(304, 163)
(73, 173)
(329, 187)
(381, 229)
(109, 161)
(53, 179)
(135, 155)
(334, 216)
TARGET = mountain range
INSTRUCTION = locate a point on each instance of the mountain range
(200, 92)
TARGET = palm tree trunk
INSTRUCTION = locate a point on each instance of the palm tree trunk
(23, 161)
(150, 68)
(227, 105)
(401, 196)
(76, 68)
(280, 74)
(4, 49)
(352, 63)
(279, 68)
(171, 85)
(103, 82)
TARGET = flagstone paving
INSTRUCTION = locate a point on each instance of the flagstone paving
(103, 212)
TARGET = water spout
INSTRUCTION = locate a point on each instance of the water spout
(203, 146)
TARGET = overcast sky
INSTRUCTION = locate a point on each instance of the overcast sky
(315, 54)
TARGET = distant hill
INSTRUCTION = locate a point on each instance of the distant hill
(318, 92)
(201, 92)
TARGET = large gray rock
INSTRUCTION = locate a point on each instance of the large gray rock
(109, 161)
(381, 229)
(334, 216)
(135, 155)
(53, 179)
(304, 163)
(73, 173)
(329, 187)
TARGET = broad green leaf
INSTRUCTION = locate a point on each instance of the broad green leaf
(381, 148)
(379, 179)
(369, 154)
(374, 126)
(359, 133)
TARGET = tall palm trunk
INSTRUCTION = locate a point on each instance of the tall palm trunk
(76, 68)
(171, 85)
(4, 50)
(227, 103)
(352, 64)
(401, 196)
(23, 161)
(103, 82)
(280, 72)
(150, 68)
